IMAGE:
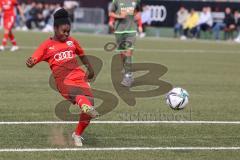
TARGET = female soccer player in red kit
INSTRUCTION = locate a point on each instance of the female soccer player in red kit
(7, 7)
(60, 51)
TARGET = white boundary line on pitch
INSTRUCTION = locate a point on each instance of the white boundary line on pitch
(119, 122)
(160, 50)
(145, 38)
(115, 149)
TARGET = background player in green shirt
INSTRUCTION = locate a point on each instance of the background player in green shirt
(124, 11)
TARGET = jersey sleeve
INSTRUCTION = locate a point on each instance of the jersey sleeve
(79, 49)
(39, 53)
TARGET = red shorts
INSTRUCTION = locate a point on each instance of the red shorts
(8, 21)
(70, 89)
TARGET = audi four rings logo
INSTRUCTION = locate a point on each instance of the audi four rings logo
(63, 55)
(158, 13)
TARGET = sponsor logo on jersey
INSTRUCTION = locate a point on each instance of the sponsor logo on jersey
(69, 43)
(63, 55)
(129, 10)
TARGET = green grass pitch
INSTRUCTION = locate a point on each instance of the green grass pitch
(208, 70)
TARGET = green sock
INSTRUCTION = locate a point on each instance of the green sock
(127, 64)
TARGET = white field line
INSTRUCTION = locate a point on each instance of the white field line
(160, 50)
(166, 39)
(119, 122)
(115, 149)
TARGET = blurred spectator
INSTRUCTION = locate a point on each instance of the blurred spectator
(40, 17)
(190, 26)
(46, 13)
(182, 16)
(230, 25)
(237, 21)
(205, 22)
(70, 6)
(52, 8)
(32, 15)
(20, 20)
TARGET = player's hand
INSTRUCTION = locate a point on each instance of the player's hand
(30, 62)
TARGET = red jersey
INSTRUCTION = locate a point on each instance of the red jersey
(61, 57)
(8, 7)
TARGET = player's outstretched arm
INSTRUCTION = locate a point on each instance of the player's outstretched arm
(86, 62)
(30, 62)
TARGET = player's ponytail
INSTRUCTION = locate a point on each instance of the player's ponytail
(61, 17)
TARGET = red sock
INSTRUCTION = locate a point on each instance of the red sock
(82, 124)
(4, 41)
(84, 118)
(12, 39)
(80, 100)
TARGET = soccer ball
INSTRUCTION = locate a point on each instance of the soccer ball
(177, 98)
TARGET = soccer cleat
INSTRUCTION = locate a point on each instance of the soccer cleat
(89, 110)
(77, 140)
(127, 80)
(14, 48)
(2, 48)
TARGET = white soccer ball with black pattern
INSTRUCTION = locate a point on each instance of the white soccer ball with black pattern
(177, 98)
